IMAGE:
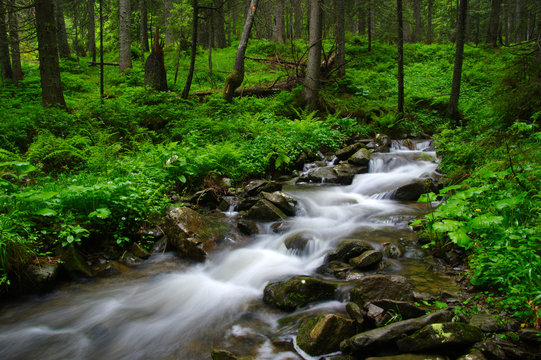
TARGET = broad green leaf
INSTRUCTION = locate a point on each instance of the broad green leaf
(485, 221)
(42, 196)
(46, 212)
(461, 238)
(507, 203)
(102, 213)
(182, 179)
(446, 189)
(426, 198)
(447, 225)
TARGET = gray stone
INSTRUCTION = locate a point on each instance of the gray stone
(320, 175)
(394, 250)
(298, 241)
(441, 335)
(44, 275)
(377, 287)
(264, 210)
(345, 172)
(412, 191)
(368, 259)
(335, 268)
(360, 158)
(405, 309)
(356, 313)
(219, 354)
(487, 322)
(348, 249)
(348, 151)
(501, 349)
(474, 355)
(248, 227)
(297, 292)
(323, 334)
(257, 186)
(530, 335)
(283, 201)
(369, 342)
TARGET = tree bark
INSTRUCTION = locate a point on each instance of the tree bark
(5, 63)
(311, 84)
(63, 46)
(429, 31)
(124, 37)
(155, 75)
(518, 20)
(278, 27)
(298, 19)
(51, 86)
(452, 109)
(189, 78)
(234, 80)
(369, 13)
(339, 8)
(417, 33)
(14, 43)
(91, 29)
(400, 77)
(492, 35)
(167, 6)
(219, 26)
(143, 28)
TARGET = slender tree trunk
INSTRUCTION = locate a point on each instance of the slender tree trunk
(219, 26)
(143, 26)
(210, 41)
(492, 36)
(51, 86)
(5, 63)
(339, 8)
(506, 23)
(155, 75)
(298, 18)
(124, 38)
(167, 6)
(417, 34)
(234, 80)
(518, 20)
(14, 43)
(189, 78)
(311, 84)
(63, 46)
(452, 109)
(400, 77)
(429, 31)
(278, 27)
(91, 29)
(369, 13)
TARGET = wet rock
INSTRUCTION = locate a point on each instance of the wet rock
(227, 204)
(191, 234)
(334, 268)
(394, 250)
(298, 241)
(474, 355)
(377, 287)
(297, 292)
(405, 309)
(129, 259)
(219, 354)
(139, 251)
(360, 158)
(383, 143)
(264, 210)
(248, 227)
(306, 157)
(152, 234)
(384, 338)
(487, 322)
(345, 172)
(246, 203)
(348, 249)
(323, 334)
(530, 335)
(257, 186)
(320, 175)
(409, 357)
(348, 151)
(74, 262)
(501, 349)
(282, 201)
(454, 335)
(412, 192)
(368, 259)
(280, 227)
(208, 197)
(43, 275)
(356, 313)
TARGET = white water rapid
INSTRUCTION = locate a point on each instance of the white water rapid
(166, 309)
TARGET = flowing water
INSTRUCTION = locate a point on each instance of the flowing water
(167, 309)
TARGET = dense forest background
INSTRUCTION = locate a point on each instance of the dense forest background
(112, 109)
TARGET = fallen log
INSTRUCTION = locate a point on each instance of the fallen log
(94, 63)
(259, 91)
(278, 61)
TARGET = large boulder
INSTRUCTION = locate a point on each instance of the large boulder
(454, 335)
(487, 322)
(377, 287)
(412, 191)
(208, 197)
(257, 186)
(346, 152)
(320, 175)
(74, 262)
(298, 241)
(502, 349)
(360, 158)
(282, 201)
(42, 274)
(348, 249)
(264, 210)
(297, 292)
(368, 259)
(381, 312)
(384, 338)
(323, 334)
(191, 234)
(345, 172)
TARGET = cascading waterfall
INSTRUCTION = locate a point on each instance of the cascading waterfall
(166, 309)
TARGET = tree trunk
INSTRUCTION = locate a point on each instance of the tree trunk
(91, 29)
(63, 46)
(143, 28)
(49, 69)
(311, 84)
(340, 37)
(219, 26)
(492, 36)
(124, 38)
(298, 19)
(234, 80)
(452, 109)
(155, 75)
(429, 31)
(14, 44)
(400, 77)
(167, 6)
(417, 33)
(278, 27)
(189, 78)
(5, 63)
(518, 20)
(369, 13)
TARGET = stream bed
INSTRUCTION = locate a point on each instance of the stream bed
(167, 308)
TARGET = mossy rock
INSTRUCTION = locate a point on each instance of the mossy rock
(441, 335)
(323, 334)
(348, 249)
(297, 292)
(368, 259)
